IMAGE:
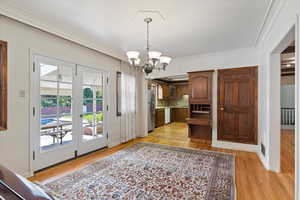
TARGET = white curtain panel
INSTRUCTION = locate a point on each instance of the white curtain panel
(128, 103)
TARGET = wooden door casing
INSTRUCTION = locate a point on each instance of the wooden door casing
(237, 105)
(3, 85)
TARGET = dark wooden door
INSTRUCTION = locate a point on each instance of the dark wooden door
(237, 105)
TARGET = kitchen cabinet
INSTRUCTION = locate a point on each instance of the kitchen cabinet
(182, 90)
(200, 87)
(177, 90)
(173, 91)
(159, 117)
(166, 91)
(179, 114)
(162, 91)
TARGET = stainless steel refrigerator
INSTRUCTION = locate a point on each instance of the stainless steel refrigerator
(151, 109)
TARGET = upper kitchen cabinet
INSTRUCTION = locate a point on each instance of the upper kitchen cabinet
(178, 89)
(182, 89)
(171, 90)
(162, 91)
(166, 91)
(200, 87)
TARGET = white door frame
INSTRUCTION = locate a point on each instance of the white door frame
(274, 128)
(274, 100)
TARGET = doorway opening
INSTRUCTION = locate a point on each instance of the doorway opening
(283, 108)
(287, 110)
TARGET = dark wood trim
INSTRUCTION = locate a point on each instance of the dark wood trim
(3, 85)
(289, 49)
(288, 74)
(292, 69)
(170, 82)
(236, 68)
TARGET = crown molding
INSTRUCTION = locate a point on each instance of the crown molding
(263, 24)
(20, 15)
(272, 13)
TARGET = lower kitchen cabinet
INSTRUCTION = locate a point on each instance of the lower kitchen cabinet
(179, 114)
(159, 117)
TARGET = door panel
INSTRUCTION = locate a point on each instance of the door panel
(52, 121)
(230, 91)
(93, 104)
(229, 127)
(237, 105)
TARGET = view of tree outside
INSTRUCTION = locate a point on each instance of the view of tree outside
(49, 105)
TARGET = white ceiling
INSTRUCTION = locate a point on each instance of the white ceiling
(190, 26)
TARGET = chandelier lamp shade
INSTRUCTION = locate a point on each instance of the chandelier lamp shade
(154, 59)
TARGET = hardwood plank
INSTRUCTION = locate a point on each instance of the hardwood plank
(253, 181)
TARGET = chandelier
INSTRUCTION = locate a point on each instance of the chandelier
(154, 59)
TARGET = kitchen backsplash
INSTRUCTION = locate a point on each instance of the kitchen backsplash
(183, 102)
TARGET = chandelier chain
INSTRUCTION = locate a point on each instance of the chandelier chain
(148, 36)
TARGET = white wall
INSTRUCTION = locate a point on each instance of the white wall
(227, 59)
(14, 143)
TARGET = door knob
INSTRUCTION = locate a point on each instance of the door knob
(222, 108)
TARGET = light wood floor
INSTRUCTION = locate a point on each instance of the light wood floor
(288, 151)
(253, 182)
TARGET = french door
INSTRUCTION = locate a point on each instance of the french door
(68, 111)
(92, 109)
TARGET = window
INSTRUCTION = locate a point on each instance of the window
(3, 85)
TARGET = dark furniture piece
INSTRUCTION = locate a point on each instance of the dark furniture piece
(3, 85)
(237, 105)
(159, 117)
(16, 187)
(200, 106)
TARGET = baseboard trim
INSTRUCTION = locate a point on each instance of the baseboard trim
(235, 146)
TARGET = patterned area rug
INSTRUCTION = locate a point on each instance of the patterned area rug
(151, 171)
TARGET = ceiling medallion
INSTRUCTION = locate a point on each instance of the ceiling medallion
(154, 59)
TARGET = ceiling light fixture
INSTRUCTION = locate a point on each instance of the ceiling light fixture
(154, 59)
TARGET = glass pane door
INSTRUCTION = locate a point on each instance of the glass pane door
(52, 98)
(93, 104)
(55, 106)
(92, 119)
(68, 104)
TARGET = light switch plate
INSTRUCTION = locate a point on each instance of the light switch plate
(22, 93)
